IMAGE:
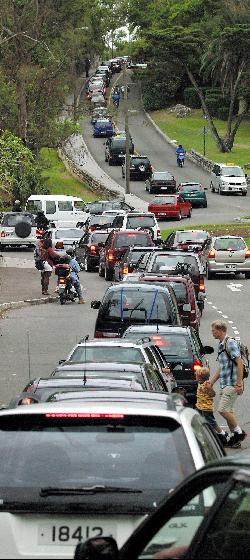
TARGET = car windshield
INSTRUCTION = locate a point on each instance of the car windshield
(103, 123)
(161, 176)
(68, 233)
(232, 171)
(227, 244)
(118, 143)
(128, 239)
(11, 220)
(137, 305)
(163, 263)
(99, 238)
(139, 161)
(164, 200)
(107, 354)
(100, 219)
(134, 222)
(191, 187)
(192, 236)
(55, 451)
(174, 345)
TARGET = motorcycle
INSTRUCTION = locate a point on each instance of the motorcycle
(180, 160)
(66, 290)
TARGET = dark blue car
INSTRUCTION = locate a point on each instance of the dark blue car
(103, 127)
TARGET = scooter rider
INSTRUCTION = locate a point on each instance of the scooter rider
(75, 269)
(116, 97)
(180, 151)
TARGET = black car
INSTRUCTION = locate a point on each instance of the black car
(99, 221)
(211, 507)
(129, 261)
(131, 304)
(140, 167)
(87, 250)
(115, 149)
(100, 206)
(161, 182)
(181, 347)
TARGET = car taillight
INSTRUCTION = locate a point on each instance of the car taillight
(98, 334)
(61, 280)
(158, 233)
(59, 245)
(247, 254)
(211, 254)
(92, 248)
(197, 364)
(125, 269)
(91, 228)
(202, 285)
(110, 255)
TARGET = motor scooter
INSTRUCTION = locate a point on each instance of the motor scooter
(180, 160)
(66, 290)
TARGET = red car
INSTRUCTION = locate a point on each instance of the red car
(170, 206)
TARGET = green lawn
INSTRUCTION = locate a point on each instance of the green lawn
(243, 230)
(189, 132)
(58, 178)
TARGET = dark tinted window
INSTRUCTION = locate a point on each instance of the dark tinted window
(180, 291)
(193, 187)
(162, 263)
(174, 345)
(118, 143)
(139, 161)
(10, 220)
(134, 222)
(127, 239)
(100, 220)
(99, 238)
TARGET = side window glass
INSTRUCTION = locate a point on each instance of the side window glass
(65, 206)
(158, 357)
(157, 381)
(150, 356)
(208, 451)
(50, 207)
(180, 529)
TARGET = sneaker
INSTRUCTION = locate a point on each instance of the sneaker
(223, 438)
(81, 301)
(236, 445)
(235, 439)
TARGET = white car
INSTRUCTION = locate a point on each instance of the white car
(92, 467)
(66, 238)
(17, 229)
(228, 179)
(139, 220)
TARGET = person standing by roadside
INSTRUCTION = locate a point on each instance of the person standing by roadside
(230, 375)
(48, 255)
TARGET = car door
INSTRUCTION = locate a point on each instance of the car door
(170, 241)
(184, 206)
(81, 248)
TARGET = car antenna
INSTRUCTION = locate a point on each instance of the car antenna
(157, 318)
(85, 351)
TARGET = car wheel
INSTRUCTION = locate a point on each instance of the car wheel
(190, 214)
(179, 217)
(2, 247)
(106, 159)
(108, 274)
(110, 162)
(205, 205)
(62, 299)
(247, 275)
(209, 274)
(87, 266)
(211, 187)
(244, 194)
(101, 271)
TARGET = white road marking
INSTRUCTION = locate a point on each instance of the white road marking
(220, 312)
(214, 307)
(234, 287)
(231, 322)
(225, 316)
(209, 302)
(236, 332)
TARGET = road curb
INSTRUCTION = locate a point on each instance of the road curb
(25, 303)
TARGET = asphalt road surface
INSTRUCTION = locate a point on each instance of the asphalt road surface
(149, 142)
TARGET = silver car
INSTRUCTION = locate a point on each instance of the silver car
(226, 254)
(17, 229)
(66, 238)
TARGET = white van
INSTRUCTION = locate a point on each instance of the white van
(62, 210)
(228, 178)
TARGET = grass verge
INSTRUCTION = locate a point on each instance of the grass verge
(243, 230)
(59, 180)
(189, 132)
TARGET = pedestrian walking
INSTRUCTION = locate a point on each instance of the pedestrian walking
(205, 402)
(48, 256)
(230, 375)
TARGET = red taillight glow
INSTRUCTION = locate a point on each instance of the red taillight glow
(202, 285)
(82, 415)
(247, 254)
(125, 269)
(92, 248)
(197, 365)
(158, 233)
(59, 245)
(211, 254)
(91, 228)
(110, 256)
(2, 233)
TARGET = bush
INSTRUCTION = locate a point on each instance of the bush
(222, 113)
(191, 98)
(213, 92)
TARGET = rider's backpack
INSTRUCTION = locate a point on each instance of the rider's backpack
(39, 263)
(244, 353)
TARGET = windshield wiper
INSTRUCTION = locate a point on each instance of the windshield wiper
(78, 490)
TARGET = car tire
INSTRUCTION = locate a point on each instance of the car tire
(209, 274)
(108, 274)
(87, 266)
(179, 217)
(205, 205)
(101, 271)
(247, 275)
(2, 248)
(190, 214)
(62, 299)
(211, 187)
(244, 194)
(110, 162)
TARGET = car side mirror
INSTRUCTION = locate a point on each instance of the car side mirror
(95, 304)
(186, 307)
(207, 350)
(205, 188)
(62, 361)
(97, 548)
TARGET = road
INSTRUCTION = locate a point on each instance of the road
(148, 142)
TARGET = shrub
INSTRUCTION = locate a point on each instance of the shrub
(222, 113)
(191, 98)
(213, 92)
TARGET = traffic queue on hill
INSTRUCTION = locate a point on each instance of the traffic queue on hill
(104, 439)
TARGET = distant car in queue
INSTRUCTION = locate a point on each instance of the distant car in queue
(193, 193)
(161, 182)
(87, 250)
(170, 206)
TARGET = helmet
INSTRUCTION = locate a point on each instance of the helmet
(180, 146)
(17, 202)
(70, 252)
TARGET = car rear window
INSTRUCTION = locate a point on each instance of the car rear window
(118, 143)
(134, 222)
(46, 451)
(193, 187)
(174, 345)
(137, 305)
(162, 263)
(128, 239)
(68, 233)
(192, 236)
(99, 220)
(11, 220)
(163, 200)
(229, 244)
(162, 177)
(139, 161)
(107, 354)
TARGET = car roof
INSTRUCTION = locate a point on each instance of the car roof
(158, 328)
(77, 382)
(109, 342)
(101, 366)
(167, 277)
(145, 403)
(139, 286)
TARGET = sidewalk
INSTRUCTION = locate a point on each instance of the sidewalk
(21, 284)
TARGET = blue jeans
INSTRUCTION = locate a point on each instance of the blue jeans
(77, 286)
(209, 417)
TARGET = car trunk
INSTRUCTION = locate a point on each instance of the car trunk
(163, 209)
(228, 256)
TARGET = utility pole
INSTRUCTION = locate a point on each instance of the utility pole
(127, 160)
(204, 140)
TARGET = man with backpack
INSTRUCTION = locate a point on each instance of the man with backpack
(230, 375)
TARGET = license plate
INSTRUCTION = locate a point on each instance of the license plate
(164, 188)
(70, 534)
(161, 213)
(231, 266)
